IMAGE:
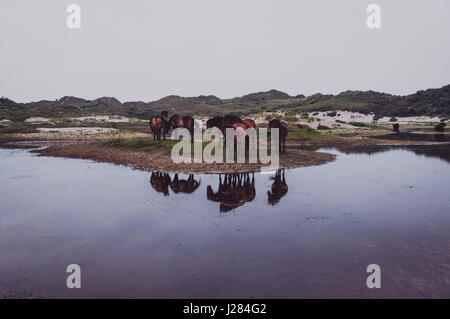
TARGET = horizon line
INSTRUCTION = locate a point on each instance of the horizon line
(230, 98)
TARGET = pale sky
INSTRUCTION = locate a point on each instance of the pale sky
(148, 49)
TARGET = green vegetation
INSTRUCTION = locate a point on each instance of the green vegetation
(302, 133)
(432, 102)
(145, 144)
(17, 127)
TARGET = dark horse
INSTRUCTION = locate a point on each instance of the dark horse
(222, 122)
(184, 186)
(283, 132)
(440, 127)
(234, 191)
(177, 121)
(215, 122)
(279, 188)
(396, 127)
(159, 124)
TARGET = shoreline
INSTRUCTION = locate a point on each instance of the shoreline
(161, 161)
(140, 151)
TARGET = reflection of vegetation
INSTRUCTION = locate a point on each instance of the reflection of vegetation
(414, 137)
(17, 146)
(359, 124)
(441, 151)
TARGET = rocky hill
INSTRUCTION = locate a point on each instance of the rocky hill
(433, 102)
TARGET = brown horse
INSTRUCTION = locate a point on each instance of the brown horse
(159, 124)
(156, 125)
(249, 123)
(440, 127)
(184, 186)
(283, 132)
(279, 188)
(234, 191)
(160, 182)
(177, 121)
(236, 127)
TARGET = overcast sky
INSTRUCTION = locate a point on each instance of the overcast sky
(145, 50)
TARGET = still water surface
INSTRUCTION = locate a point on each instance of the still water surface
(310, 232)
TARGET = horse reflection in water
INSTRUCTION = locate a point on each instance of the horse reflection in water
(184, 186)
(235, 190)
(279, 188)
(162, 181)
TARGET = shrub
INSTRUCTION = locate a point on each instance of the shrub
(322, 127)
(290, 119)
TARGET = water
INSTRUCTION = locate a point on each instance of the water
(416, 137)
(312, 236)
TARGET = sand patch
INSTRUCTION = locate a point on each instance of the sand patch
(37, 120)
(104, 118)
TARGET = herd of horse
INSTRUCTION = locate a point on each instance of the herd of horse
(161, 125)
(234, 189)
